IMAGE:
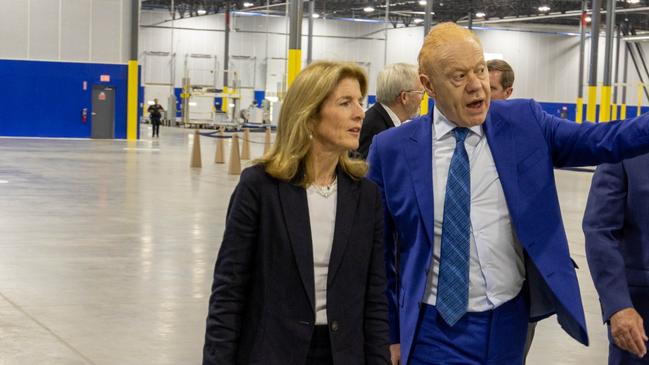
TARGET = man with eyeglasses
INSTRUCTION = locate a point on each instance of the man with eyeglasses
(398, 96)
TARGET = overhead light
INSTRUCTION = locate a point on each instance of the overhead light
(588, 19)
(368, 9)
(4, 182)
(315, 15)
(422, 2)
(418, 20)
(201, 12)
(480, 14)
(544, 8)
(247, 4)
(632, 1)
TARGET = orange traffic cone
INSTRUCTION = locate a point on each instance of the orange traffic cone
(219, 156)
(234, 167)
(267, 141)
(196, 150)
(245, 148)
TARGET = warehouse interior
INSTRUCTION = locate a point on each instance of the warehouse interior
(109, 236)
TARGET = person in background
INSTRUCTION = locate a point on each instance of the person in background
(155, 115)
(616, 227)
(501, 79)
(300, 275)
(398, 95)
(469, 193)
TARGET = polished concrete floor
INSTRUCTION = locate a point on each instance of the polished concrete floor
(107, 250)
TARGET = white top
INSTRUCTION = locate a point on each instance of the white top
(497, 271)
(393, 116)
(322, 215)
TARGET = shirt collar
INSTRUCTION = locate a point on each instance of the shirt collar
(443, 126)
(395, 120)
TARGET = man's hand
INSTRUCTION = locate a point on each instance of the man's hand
(395, 354)
(628, 331)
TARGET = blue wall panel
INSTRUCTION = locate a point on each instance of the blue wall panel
(45, 99)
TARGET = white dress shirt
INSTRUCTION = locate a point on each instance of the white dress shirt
(322, 216)
(395, 119)
(496, 268)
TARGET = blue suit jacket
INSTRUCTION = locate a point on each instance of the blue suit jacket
(617, 233)
(526, 144)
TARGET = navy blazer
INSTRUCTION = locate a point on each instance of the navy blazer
(526, 144)
(616, 226)
(376, 121)
(263, 297)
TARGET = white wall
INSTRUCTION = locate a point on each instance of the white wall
(545, 62)
(205, 35)
(95, 31)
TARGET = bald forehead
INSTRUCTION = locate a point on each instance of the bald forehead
(441, 40)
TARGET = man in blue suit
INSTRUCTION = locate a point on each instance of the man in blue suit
(475, 243)
(616, 226)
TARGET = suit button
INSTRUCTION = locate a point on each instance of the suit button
(334, 326)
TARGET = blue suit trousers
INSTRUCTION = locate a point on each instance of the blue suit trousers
(494, 337)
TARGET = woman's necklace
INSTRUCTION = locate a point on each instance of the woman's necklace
(326, 190)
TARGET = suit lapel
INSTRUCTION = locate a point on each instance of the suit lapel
(503, 150)
(386, 117)
(346, 205)
(418, 150)
(296, 216)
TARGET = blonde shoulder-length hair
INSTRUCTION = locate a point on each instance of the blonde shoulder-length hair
(286, 160)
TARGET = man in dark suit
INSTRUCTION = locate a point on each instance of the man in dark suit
(398, 97)
(616, 226)
(469, 193)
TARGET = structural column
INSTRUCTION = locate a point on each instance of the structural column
(579, 117)
(226, 59)
(624, 80)
(295, 40)
(309, 51)
(428, 19)
(591, 110)
(605, 105)
(616, 81)
(133, 74)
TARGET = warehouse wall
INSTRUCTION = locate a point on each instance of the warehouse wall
(545, 61)
(48, 49)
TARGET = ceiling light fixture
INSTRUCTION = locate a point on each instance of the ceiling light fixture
(480, 14)
(247, 4)
(544, 8)
(315, 15)
(418, 20)
(422, 2)
(368, 9)
(201, 12)
(633, 1)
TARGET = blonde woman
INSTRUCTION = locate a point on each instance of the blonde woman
(300, 276)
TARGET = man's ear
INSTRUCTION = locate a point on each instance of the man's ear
(508, 92)
(428, 86)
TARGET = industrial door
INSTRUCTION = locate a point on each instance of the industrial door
(103, 112)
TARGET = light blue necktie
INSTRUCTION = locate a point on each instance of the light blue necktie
(453, 284)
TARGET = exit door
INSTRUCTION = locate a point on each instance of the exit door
(103, 112)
